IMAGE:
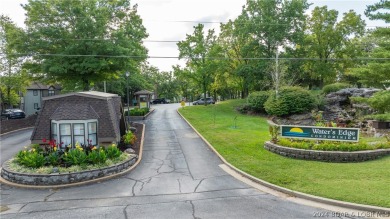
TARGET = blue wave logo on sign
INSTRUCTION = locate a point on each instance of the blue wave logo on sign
(296, 132)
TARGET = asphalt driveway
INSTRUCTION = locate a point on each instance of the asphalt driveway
(178, 177)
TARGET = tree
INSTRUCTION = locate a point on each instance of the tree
(261, 28)
(275, 23)
(330, 39)
(13, 79)
(238, 46)
(82, 42)
(376, 72)
(201, 52)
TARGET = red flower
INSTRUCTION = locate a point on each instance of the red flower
(52, 143)
(44, 140)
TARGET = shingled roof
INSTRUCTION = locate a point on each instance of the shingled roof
(105, 107)
(77, 112)
(39, 86)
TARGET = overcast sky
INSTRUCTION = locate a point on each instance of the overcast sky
(163, 19)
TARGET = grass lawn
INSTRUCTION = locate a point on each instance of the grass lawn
(364, 183)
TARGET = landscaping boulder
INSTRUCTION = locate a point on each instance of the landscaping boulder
(129, 151)
(339, 107)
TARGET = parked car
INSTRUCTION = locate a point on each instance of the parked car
(161, 100)
(13, 114)
(209, 100)
(157, 101)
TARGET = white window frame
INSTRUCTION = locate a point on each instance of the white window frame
(71, 122)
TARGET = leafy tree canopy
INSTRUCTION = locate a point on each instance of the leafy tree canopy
(81, 42)
(376, 72)
(13, 79)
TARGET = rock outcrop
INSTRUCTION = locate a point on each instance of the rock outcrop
(339, 107)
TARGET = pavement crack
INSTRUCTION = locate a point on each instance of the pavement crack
(178, 180)
(161, 165)
(196, 188)
(185, 160)
(23, 207)
(125, 212)
(143, 183)
(132, 188)
(193, 211)
(54, 191)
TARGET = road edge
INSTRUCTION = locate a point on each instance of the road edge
(22, 129)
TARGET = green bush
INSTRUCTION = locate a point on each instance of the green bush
(78, 156)
(97, 156)
(379, 117)
(334, 87)
(138, 112)
(331, 145)
(75, 157)
(30, 158)
(113, 152)
(243, 109)
(380, 101)
(54, 158)
(129, 138)
(291, 100)
(257, 99)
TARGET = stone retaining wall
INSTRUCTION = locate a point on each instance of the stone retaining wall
(63, 178)
(328, 156)
(15, 124)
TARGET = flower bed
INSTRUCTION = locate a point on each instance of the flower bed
(50, 166)
(328, 156)
(62, 178)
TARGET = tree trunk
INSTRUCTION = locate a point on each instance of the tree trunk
(85, 85)
(204, 93)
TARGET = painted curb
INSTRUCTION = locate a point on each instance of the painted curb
(292, 192)
(104, 178)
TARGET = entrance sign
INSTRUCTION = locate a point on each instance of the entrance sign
(320, 133)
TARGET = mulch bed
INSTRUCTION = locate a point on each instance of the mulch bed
(138, 134)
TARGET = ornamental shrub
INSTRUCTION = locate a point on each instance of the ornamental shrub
(138, 112)
(113, 152)
(331, 145)
(334, 87)
(257, 99)
(380, 117)
(380, 101)
(97, 156)
(75, 157)
(290, 100)
(54, 158)
(30, 158)
(129, 138)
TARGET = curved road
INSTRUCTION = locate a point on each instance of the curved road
(13, 142)
(179, 177)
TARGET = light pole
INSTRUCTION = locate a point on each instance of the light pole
(127, 80)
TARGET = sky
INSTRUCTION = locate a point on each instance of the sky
(163, 20)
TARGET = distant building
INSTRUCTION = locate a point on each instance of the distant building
(35, 92)
(85, 117)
